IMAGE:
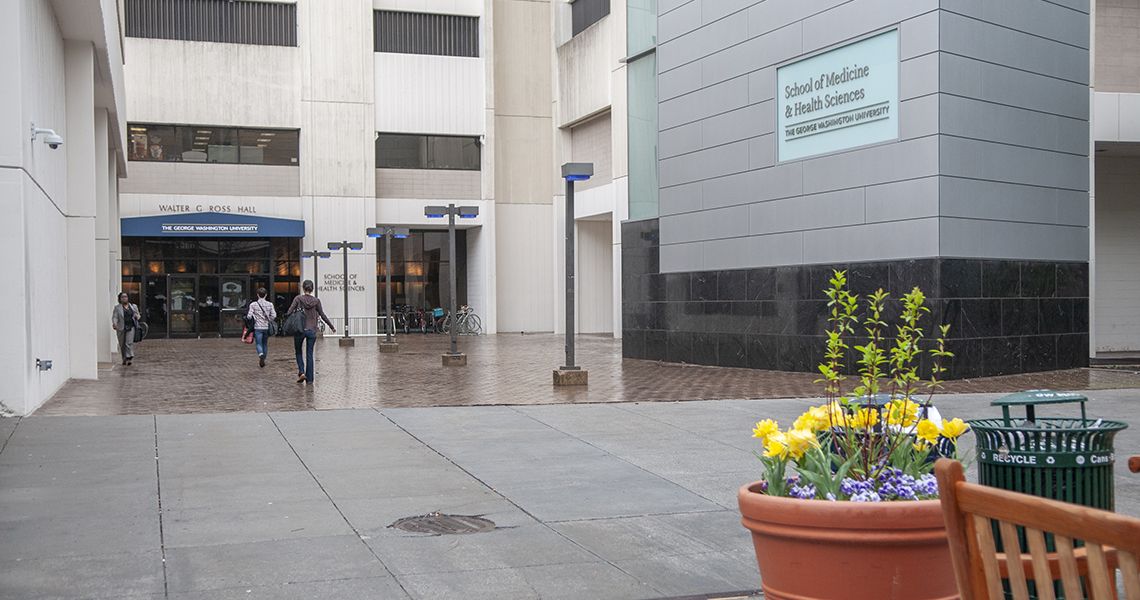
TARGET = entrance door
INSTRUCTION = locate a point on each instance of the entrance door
(235, 298)
(183, 305)
(209, 306)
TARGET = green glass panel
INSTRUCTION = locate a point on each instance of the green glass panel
(643, 138)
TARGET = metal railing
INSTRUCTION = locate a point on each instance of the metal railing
(371, 326)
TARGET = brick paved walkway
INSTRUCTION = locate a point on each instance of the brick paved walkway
(221, 375)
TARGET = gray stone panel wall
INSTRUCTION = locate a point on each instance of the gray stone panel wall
(993, 135)
(1118, 46)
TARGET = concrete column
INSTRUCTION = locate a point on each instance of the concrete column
(103, 175)
(82, 182)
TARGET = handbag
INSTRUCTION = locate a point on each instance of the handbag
(272, 323)
(141, 329)
(246, 335)
(295, 322)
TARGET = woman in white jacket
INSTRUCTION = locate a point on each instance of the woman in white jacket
(262, 313)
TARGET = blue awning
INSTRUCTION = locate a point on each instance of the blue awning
(211, 224)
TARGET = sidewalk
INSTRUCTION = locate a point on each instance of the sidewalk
(600, 501)
(221, 375)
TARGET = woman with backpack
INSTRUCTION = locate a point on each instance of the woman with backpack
(264, 324)
(311, 309)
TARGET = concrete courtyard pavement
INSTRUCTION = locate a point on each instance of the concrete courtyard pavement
(596, 501)
(221, 375)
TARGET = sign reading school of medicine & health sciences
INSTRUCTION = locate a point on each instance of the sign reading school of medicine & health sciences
(840, 99)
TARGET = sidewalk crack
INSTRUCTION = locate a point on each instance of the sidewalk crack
(340, 512)
(161, 532)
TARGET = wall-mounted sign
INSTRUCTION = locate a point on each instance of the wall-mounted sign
(334, 282)
(241, 209)
(839, 99)
(218, 224)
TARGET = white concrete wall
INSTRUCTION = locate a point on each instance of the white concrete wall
(429, 94)
(50, 196)
(524, 255)
(594, 276)
(447, 7)
(203, 83)
(1117, 251)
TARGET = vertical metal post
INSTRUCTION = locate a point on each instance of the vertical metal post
(569, 275)
(344, 249)
(451, 210)
(388, 324)
(316, 277)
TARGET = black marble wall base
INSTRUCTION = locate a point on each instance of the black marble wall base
(1006, 316)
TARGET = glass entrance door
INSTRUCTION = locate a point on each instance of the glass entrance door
(183, 305)
(235, 298)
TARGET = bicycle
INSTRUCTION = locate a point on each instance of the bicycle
(469, 323)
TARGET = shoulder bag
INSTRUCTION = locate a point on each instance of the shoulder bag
(272, 323)
(295, 321)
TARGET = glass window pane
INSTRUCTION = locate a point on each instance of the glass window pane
(132, 267)
(641, 25)
(643, 138)
(446, 152)
(208, 144)
(154, 143)
(396, 151)
(269, 147)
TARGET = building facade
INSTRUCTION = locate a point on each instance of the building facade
(948, 145)
(62, 131)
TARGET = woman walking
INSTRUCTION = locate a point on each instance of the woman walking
(263, 314)
(125, 319)
(312, 307)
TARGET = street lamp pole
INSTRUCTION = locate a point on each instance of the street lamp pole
(571, 374)
(453, 357)
(344, 247)
(388, 232)
(316, 276)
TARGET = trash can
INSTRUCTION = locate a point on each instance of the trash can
(1062, 458)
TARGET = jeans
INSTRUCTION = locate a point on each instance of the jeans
(309, 337)
(261, 341)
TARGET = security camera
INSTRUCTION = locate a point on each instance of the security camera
(51, 138)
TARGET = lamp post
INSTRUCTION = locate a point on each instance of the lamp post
(388, 232)
(314, 254)
(570, 374)
(453, 358)
(344, 247)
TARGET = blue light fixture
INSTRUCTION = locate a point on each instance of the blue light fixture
(577, 171)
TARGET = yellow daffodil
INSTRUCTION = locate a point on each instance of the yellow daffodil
(835, 415)
(813, 420)
(928, 431)
(765, 428)
(798, 441)
(954, 428)
(902, 413)
(865, 418)
(921, 446)
(776, 446)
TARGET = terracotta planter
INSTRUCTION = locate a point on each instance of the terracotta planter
(815, 549)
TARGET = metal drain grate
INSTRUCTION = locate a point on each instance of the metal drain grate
(440, 524)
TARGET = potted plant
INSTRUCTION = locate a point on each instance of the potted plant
(848, 506)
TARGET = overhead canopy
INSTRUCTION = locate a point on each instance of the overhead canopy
(211, 224)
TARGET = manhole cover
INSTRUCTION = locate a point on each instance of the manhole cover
(441, 524)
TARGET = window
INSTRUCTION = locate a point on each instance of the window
(424, 33)
(587, 12)
(206, 143)
(232, 21)
(403, 151)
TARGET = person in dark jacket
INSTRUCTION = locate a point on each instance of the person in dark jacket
(312, 307)
(124, 320)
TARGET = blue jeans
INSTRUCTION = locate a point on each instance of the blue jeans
(309, 337)
(261, 341)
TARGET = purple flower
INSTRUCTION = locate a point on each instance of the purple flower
(850, 487)
(927, 486)
(869, 496)
(803, 492)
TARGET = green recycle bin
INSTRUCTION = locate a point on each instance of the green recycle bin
(1062, 458)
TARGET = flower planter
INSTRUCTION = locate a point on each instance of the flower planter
(815, 549)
